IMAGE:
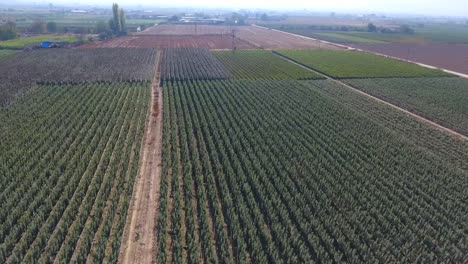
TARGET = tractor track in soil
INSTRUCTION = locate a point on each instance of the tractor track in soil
(140, 240)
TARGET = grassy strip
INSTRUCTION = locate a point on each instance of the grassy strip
(6, 53)
(352, 39)
(24, 42)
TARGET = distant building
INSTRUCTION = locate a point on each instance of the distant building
(202, 20)
(79, 11)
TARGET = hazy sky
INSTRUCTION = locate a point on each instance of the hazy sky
(434, 7)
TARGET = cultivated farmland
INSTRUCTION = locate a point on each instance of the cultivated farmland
(443, 100)
(174, 41)
(258, 64)
(20, 72)
(447, 56)
(6, 53)
(191, 30)
(192, 64)
(230, 145)
(349, 64)
(76, 148)
(264, 38)
(277, 171)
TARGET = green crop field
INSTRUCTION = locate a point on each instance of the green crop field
(23, 42)
(444, 100)
(351, 39)
(280, 171)
(76, 148)
(187, 155)
(72, 129)
(351, 64)
(258, 64)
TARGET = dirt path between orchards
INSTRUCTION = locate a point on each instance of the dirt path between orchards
(139, 240)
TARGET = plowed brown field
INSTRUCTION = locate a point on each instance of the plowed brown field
(166, 41)
(453, 57)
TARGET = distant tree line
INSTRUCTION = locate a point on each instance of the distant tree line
(116, 26)
(403, 29)
(8, 30)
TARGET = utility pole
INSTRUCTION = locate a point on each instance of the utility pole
(233, 40)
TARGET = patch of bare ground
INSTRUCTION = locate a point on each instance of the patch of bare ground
(140, 240)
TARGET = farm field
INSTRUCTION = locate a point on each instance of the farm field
(192, 30)
(22, 71)
(335, 37)
(24, 42)
(259, 64)
(234, 144)
(443, 100)
(447, 56)
(264, 38)
(76, 147)
(211, 37)
(6, 53)
(351, 64)
(350, 39)
(281, 171)
(173, 41)
(192, 64)
(435, 34)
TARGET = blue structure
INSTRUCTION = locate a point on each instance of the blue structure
(47, 44)
(50, 44)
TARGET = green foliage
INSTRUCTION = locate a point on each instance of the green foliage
(51, 27)
(342, 38)
(116, 26)
(75, 186)
(24, 42)
(352, 64)
(371, 27)
(259, 64)
(6, 53)
(8, 30)
(38, 27)
(191, 64)
(118, 22)
(295, 172)
(444, 100)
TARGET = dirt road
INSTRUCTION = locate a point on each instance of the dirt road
(139, 240)
(418, 117)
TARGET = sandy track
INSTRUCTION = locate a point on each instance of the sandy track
(409, 113)
(139, 240)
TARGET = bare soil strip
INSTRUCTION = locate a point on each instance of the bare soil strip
(140, 240)
(416, 116)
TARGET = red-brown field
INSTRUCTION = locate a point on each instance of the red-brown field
(211, 37)
(258, 37)
(165, 41)
(448, 56)
(264, 38)
(187, 30)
